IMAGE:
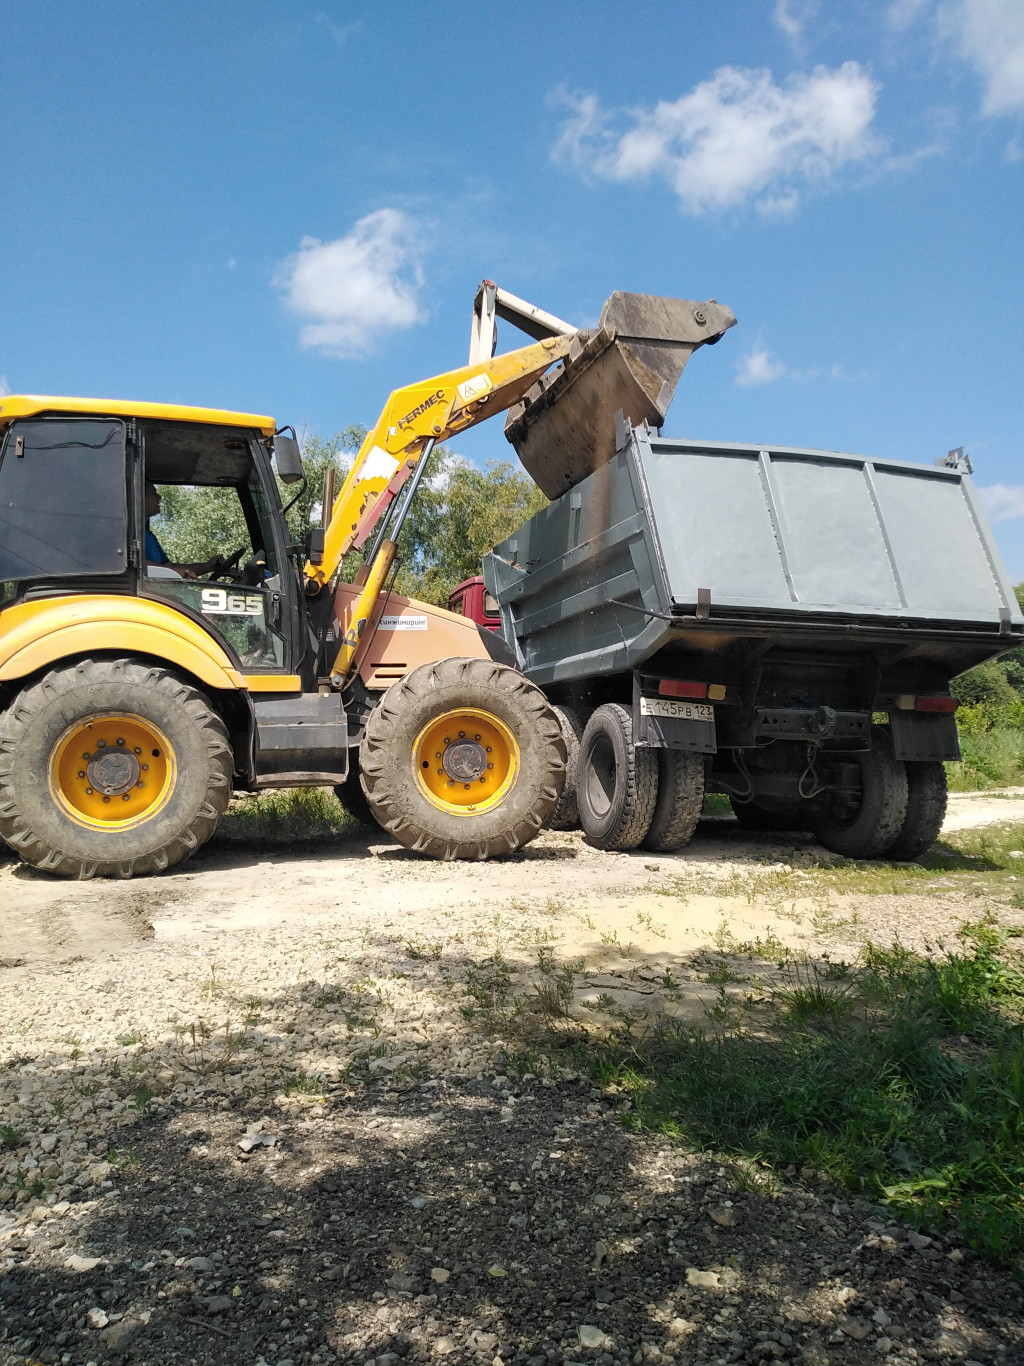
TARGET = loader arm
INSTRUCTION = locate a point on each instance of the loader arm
(414, 419)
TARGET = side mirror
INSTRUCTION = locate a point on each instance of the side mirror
(288, 456)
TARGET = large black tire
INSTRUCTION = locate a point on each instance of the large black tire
(436, 727)
(926, 810)
(566, 815)
(754, 817)
(679, 802)
(616, 783)
(351, 795)
(867, 827)
(176, 784)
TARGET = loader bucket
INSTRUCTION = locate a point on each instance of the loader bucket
(564, 428)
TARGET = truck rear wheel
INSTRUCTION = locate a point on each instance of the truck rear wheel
(566, 815)
(616, 783)
(864, 823)
(111, 768)
(679, 802)
(926, 810)
(462, 759)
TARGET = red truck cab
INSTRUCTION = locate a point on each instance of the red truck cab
(471, 599)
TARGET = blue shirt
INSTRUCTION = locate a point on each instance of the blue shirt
(154, 550)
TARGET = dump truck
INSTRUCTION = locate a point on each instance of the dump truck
(136, 696)
(776, 624)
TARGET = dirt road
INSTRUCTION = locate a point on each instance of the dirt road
(261, 1111)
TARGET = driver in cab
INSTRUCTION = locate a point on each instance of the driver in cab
(156, 556)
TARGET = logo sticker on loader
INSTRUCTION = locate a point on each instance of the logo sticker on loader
(216, 602)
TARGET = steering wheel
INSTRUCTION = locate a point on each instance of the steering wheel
(222, 567)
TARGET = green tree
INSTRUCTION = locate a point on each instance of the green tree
(459, 514)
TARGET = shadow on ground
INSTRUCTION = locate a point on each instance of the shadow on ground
(388, 1217)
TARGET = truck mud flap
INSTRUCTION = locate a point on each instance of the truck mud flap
(918, 736)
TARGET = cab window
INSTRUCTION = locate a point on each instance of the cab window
(63, 506)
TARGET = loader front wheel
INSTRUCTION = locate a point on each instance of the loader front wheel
(462, 759)
(111, 768)
(616, 783)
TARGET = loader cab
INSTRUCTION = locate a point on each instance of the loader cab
(221, 527)
(73, 475)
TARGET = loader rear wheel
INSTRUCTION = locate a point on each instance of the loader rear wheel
(566, 815)
(462, 759)
(863, 823)
(926, 810)
(680, 798)
(111, 768)
(616, 783)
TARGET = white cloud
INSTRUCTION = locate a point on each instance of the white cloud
(3, 386)
(990, 35)
(357, 287)
(793, 15)
(759, 367)
(1003, 502)
(735, 137)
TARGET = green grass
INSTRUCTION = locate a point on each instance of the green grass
(295, 813)
(992, 758)
(902, 1079)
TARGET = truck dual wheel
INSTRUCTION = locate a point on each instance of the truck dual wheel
(111, 768)
(926, 810)
(865, 823)
(616, 783)
(566, 815)
(678, 805)
(463, 758)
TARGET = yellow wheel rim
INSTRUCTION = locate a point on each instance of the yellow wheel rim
(112, 772)
(466, 761)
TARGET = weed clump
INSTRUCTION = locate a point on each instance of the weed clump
(902, 1078)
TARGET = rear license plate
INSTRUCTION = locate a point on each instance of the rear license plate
(677, 709)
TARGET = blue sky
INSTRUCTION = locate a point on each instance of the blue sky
(287, 208)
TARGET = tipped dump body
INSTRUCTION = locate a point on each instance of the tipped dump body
(719, 548)
(564, 428)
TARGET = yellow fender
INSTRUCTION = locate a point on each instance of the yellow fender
(48, 631)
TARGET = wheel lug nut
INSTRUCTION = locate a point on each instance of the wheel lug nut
(136, 750)
(140, 783)
(106, 799)
(101, 744)
(88, 791)
(490, 765)
(86, 755)
(125, 797)
(81, 772)
(120, 741)
(144, 767)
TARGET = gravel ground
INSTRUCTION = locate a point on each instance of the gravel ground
(270, 1109)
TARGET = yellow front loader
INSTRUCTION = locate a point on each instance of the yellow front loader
(136, 695)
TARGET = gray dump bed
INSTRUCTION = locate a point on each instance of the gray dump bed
(735, 543)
